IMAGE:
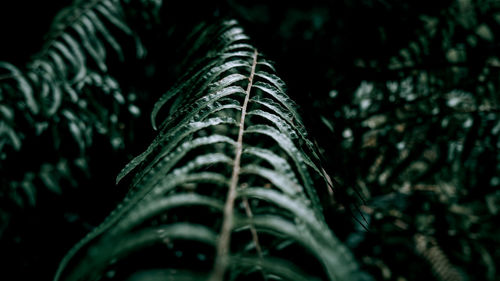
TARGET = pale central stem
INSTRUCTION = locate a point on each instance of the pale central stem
(224, 241)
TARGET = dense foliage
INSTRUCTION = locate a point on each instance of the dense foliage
(401, 99)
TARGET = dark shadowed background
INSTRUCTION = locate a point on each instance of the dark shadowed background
(401, 96)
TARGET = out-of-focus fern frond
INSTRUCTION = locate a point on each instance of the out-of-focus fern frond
(441, 267)
(228, 188)
(67, 88)
(425, 143)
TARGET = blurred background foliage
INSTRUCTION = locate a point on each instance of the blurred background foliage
(401, 96)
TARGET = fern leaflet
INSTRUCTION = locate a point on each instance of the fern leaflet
(231, 171)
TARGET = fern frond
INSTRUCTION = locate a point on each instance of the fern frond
(231, 156)
(74, 58)
(67, 89)
(432, 253)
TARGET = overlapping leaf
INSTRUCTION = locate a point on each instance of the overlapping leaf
(227, 190)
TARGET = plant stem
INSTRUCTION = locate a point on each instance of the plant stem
(224, 241)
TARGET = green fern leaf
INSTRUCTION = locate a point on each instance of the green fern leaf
(232, 146)
(66, 84)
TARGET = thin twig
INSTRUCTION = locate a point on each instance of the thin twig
(255, 236)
